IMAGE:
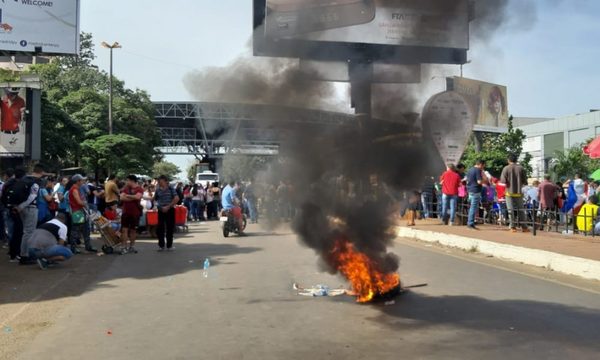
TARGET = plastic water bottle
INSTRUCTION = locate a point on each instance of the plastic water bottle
(206, 266)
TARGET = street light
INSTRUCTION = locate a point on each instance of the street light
(115, 45)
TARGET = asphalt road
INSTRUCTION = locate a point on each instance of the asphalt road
(159, 306)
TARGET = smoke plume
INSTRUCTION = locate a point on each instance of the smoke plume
(345, 179)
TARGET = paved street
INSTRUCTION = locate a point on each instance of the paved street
(159, 306)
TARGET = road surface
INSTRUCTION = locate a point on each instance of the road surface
(160, 306)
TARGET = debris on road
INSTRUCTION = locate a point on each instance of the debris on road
(109, 332)
(389, 303)
(7, 329)
(318, 290)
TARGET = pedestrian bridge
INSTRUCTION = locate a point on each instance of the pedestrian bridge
(214, 129)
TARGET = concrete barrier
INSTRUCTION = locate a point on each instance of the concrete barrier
(585, 268)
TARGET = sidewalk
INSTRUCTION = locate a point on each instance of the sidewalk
(570, 254)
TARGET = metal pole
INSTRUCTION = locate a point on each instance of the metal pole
(110, 94)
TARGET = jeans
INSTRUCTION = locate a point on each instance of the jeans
(474, 200)
(426, 201)
(252, 210)
(197, 211)
(166, 224)
(52, 251)
(515, 204)
(29, 216)
(452, 201)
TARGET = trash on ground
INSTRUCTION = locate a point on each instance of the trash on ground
(7, 329)
(109, 332)
(318, 290)
(388, 303)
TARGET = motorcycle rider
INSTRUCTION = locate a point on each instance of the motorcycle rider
(231, 203)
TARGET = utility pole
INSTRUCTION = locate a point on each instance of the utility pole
(115, 45)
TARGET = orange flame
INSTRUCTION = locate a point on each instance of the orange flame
(364, 275)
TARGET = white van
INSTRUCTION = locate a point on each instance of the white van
(206, 176)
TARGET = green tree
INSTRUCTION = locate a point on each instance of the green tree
(495, 149)
(120, 154)
(191, 171)
(165, 168)
(570, 162)
(80, 91)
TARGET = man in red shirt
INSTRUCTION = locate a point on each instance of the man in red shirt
(12, 107)
(131, 195)
(450, 181)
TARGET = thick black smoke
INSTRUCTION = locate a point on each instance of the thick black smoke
(345, 178)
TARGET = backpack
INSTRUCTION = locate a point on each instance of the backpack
(17, 191)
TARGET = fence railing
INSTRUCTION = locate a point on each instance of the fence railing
(532, 217)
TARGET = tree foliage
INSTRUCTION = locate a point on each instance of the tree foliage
(165, 168)
(570, 162)
(120, 154)
(75, 117)
(495, 149)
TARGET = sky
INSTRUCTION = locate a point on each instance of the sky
(549, 64)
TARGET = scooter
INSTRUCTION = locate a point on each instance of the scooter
(230, 225)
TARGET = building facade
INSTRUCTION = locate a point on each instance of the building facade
(547, 136)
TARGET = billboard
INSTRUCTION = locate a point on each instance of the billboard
(488, 101)
(13, 121)
(449, 118)
(405, 31)
(39, 26)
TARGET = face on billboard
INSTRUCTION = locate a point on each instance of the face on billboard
(432, 23)
(12, 121)
(28, 26)
(489, 101)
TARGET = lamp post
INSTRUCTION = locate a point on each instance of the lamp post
(114, 45)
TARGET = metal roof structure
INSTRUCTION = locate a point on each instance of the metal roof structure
(215, 129)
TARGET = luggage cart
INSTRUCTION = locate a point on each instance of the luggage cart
(109, 236)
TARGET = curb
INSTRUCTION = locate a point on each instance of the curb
(571, 265)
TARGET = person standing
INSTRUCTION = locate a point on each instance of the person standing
(28, 209)
(450, 181)
(250, 196)
(548, 193)
(78, 211)
(165, 199)
(111, 191)
(475, 180)
(427, 192)
(14, 225)
(12, 112)
(514, 177)
(131, 197)
(197, 203)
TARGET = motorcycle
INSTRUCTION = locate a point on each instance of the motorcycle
(230, 225)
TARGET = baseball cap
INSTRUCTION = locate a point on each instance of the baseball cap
(78, 177)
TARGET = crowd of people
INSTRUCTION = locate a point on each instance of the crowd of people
(471, 196)
(44, 219)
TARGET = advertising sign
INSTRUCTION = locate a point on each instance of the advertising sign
(391, 31)
(39, 26)
(385, 22)
(13, 121)
(449, 119)
(488, 102)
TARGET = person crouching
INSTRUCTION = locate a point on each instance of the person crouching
(47, 244)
